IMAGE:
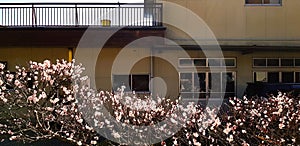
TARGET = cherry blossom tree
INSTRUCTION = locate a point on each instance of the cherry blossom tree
(46, 100)
(256, 121)
(38, 103)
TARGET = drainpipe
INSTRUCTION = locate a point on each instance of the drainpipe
(151, 68)
(70, 54)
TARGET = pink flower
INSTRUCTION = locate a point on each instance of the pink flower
(79, 143)
(93, 142)
(1, 82)
(13, 138)
(2, 66)
(35, 100)
(47, 63)
(43, 95)
(49, 109)
(281, 125)
(227, 129)
(54, 101)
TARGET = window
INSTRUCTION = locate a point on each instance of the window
(297, 62)
(186, 62)
(297, 77)
(200, 62)
(200, 82)
(260, 77)
(229, 62)
(215, 62)
(273, 77)
(276, 62)
(273, 62)
(259, 62)
(287, 77)
(287, 62)
(263, 2)
(198, 85)
(277, 77)
(138, 83)
(186, 81)
(207, 62)
(215, 82)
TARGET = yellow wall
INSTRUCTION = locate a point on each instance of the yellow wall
(235, 23)
(22, 56)
(104, 66)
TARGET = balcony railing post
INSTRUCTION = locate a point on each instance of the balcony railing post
(119, 15)
(34, 19)
(161, 15)
(76, 16)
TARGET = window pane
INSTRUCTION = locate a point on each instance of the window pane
(273, 77)
(200, 62)
(287, 77)
(253, 1)
(273, 62)
(121, 80)
(259, 62)
(230, 62)
(199, 81)
(186, 82)
(263, 1)
(140, 83)
(229, 79)
(186, 62)
(297, 77)
(297, 62)
(260, 77)
(272, 1)
(215, 82)
(214, 62)
(287, 62)
(187, 95)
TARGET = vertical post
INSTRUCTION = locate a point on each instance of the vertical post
(70, 54)
(161, 15)
(34, 21)
(151, 71)
(76, 16)
(119, 13)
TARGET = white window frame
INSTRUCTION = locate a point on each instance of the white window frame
(207, 63)
(206, 82)
(279, 66)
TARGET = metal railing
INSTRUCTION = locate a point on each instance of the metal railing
(80, 14)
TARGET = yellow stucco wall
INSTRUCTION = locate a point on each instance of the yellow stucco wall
(22, 56)
(235, 23)
(106, 66)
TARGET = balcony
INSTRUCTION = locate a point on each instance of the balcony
(80, 15)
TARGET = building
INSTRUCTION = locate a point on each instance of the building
(259, 40)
